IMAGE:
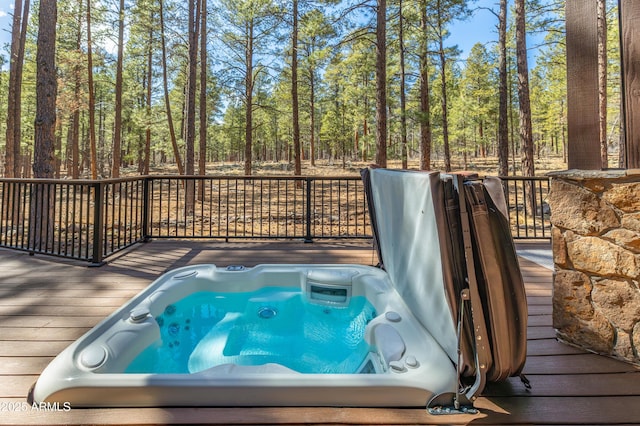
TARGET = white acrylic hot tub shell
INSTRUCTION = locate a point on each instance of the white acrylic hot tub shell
(89, 372)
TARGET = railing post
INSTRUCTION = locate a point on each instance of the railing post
(146, 205)
(98, 224)
(308, 238)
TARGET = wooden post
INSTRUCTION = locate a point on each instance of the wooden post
(630, 48)
(582, 85)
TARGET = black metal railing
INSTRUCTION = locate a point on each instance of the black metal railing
(256, 207)
(87, 220)
(91, 220)
(529, 212)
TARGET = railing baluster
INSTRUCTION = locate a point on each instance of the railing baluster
(74, 211)
(27, 219)
(147, 208)
(98, 209)
(308, 214)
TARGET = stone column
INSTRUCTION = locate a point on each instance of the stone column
(596, 250)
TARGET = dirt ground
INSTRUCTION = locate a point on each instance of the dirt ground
(484, 166)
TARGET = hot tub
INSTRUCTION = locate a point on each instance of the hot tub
(267, 335)
(412, 332)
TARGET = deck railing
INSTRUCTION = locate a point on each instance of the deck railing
(91, 220)
(257, 207)
(78, 219)
(528, 209)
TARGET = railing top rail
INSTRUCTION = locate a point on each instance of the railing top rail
(175, 176)
(71, 181)
(217, 176)
(252, 177)
(541, 178)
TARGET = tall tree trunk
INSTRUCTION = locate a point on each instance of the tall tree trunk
(425, 107)
(46, 91)
(14, 111)
(75, 145)
(117, 130)
(443, 84)
(75, 141)
(602, 81)
(403, 100)
(101, 133)
(58, 148)
(75, 122)
(512, 132)
(41, 219)
(147, 141)
(294, 93)
(364, 145)
(167, 102)
(67, 151)
(194, 19)
(526, 133)
(503, 125)
(312, 115)
(381, 83)
(13, 101)
(248, 133)
(194, 6)
(140, 152)
(202, 158)
(92, 101)
(14, 104)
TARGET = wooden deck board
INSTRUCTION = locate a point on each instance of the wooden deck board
(46, 303)
(549, 346)
(561, 385)
(536, 333)
(250, 415)
(35, 333)
(30, 348)
(581, 363)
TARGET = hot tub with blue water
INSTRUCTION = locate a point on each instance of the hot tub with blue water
(276, 325)
(269, 335)
(285, 334)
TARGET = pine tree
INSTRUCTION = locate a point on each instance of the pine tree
(503, 119)
(526, 133)
(117, 127)
(381, 83)
(43, 196)
(14, 113)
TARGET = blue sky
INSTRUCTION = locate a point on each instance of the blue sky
(481, 27)
(6, 7)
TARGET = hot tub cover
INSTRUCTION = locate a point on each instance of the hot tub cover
(445, 241)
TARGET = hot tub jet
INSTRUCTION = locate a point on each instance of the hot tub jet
(267, 312)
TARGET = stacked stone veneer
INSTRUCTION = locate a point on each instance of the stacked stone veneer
(596, 249)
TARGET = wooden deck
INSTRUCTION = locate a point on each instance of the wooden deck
(46, 303)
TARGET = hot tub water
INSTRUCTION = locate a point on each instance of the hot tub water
(270, 325)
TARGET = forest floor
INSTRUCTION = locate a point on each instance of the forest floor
(265, 208)
(484, 166)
